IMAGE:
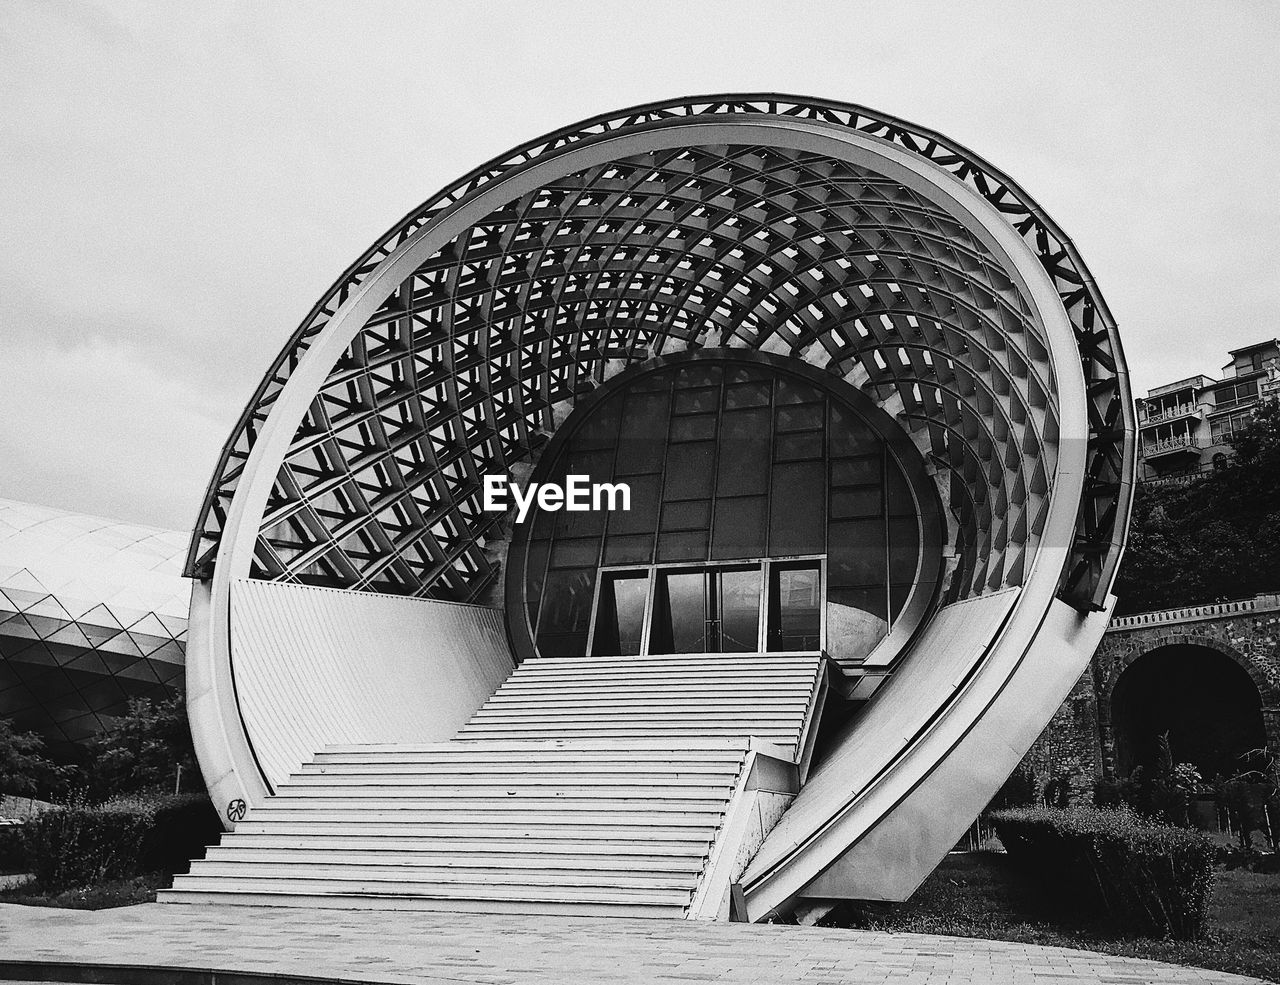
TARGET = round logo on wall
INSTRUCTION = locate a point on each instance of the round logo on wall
(236, 810)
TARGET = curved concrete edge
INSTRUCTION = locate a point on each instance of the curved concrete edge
(324, 666)
(307, 667)
(223, 751)
(886, 839)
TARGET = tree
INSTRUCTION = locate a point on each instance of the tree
(1216, 538)
(146, 749)
(23, 770)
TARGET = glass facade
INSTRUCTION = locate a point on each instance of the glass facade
(727, 462)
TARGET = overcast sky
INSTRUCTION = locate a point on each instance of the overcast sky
(179, 182)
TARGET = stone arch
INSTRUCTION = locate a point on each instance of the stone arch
(1106, 678)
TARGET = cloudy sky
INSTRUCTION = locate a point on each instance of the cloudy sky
(180, 182)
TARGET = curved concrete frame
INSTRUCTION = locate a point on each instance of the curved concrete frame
(1007, 625)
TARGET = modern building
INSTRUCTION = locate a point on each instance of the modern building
(874, 422)
(1185, 427)
(93, 612)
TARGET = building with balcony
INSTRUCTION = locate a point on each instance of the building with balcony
(1185, 427)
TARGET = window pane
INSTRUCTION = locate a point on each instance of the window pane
(856, 554)
(680, 613)
(798, 520)
(740, 611)
(686, 546)
(621, 615)
(791, 447)
(693, 515)
(566, 607)
(856, 621)
(795, 618)
(744, 453)
(643, 515)
(689, 470)
(800, 417)
(695, 428)
(740, 527)
(856, 502)
(636, 548)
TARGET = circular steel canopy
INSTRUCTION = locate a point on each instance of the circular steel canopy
(794, 226)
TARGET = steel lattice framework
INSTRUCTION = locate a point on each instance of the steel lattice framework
(467, 367)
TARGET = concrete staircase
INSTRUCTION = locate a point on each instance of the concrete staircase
(583, 786)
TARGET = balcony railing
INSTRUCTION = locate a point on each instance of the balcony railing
(1174, 443)
(1168, 414)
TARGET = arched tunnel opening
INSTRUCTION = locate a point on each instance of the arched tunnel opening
(1205, 702)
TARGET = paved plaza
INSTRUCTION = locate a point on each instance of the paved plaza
(403, 947)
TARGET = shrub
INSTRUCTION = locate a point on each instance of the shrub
(182, 827)
(84, 844)
(1148, 878)
(87, 844)
(13, 848)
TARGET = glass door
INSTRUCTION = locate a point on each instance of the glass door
(708, 610)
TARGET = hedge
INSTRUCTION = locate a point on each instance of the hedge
(13, 848)
(88, 844)
(1148, 878)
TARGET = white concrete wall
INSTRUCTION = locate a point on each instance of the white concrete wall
(316, 666)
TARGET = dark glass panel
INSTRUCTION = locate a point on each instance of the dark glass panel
(697, 427)
(747, 395)
(642, 439)
(566, 607)
(904, 549)
(793, 391)
(795, 618)
(792, 447)
(797, 520)
(680, 613)
(690, 470)
(643, 515)
(706, 374)
(740, 611)
(744, 453)
(801, 417)
(863, 470)
(635, 549)
(898, 493)
(693, 515)
(700, 401)
(850, 435)
(579, 553)
(740, 527)
(848, 504)
(856, 554)
(600, 430)
(535, 566)
(688, 545)
(621, 615)
(856, 621)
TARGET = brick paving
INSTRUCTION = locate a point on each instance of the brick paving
(459, 949)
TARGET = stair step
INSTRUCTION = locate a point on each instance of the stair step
(456, 847)
(564, 861)
(491, 877)
(635, 909)
(557, 791)
(360, 774)
(583, 812)
(499, 827)
(439, 890)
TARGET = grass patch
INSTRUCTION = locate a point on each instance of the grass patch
(983, 895)
(117, 892)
